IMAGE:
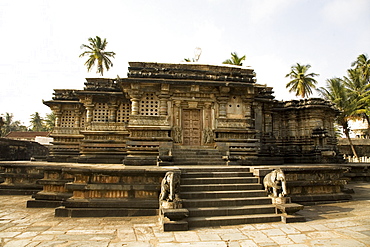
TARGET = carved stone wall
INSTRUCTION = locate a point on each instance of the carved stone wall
(165, 106)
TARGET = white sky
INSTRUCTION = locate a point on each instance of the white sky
(40, 40)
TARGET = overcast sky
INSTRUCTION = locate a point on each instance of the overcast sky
(40, 40)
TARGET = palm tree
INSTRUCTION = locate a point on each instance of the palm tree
(336, 92)
(8, 124)
(235, 60)
(36, 122)
(97, 55)
(359, 91)
(301, 83)
(49, 122)
(363, 65)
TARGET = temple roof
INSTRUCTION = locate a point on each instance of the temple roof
(191, 71)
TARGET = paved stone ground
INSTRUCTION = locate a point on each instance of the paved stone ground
(340, 224)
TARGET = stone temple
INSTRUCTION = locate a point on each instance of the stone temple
(189, 114)
(194, 144)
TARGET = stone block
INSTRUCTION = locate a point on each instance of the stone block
(289, 208)
(43, 204)
(179, 225)
(285, 218)
(175, 214)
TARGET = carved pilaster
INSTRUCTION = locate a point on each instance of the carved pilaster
(207, 115)
(135, 106)
(222, 108)
(89, 113)
(163, 106)
(176, 110)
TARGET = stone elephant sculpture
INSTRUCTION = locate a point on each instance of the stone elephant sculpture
(170, 187)
(275, 183)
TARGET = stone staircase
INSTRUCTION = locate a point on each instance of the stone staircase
(217, 196)
(194, 155)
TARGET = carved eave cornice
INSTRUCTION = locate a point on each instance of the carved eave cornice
(186, 82)
(310, 103)
(60, 102)
(85, 92)
(192, 71)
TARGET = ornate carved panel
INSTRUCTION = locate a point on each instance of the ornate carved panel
(192, 129)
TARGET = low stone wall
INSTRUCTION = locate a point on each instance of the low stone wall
(112, 191)
(21, 150)
(310, 184)
(362, 146)
(20, 178)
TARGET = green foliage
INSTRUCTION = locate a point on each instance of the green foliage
(36, 122)
(97, 55)
(351, 94)
(301, 83)
(49, 122)
(8, 124)
(235, 59)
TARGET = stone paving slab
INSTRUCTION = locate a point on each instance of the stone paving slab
(340, 224)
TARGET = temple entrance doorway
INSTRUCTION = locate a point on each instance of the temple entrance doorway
(191, 125)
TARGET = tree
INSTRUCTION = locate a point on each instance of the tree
(97, 55)
(358, 90)
(10, 125)
(49, 122)
(301, 83)
(36, 122)
(362, 64)
(235, 60)
(336, 92)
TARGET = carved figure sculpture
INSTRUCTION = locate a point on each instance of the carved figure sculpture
(208, 135)
(177, 134)
(275, 184)
(170, 187)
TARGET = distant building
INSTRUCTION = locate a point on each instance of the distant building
(358, 129)
(42, 137)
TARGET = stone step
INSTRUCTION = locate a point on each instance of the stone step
(215, 174)
(220, 187)
(232, 220)
(217, 180)
(222, 194)
(193, 148)
(225, 202)
(226, 211)
(195, 157)
(214, 168)
(199, 162)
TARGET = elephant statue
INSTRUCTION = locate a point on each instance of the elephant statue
(275, 183)
(170, 187)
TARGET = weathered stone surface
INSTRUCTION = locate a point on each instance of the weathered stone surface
(135, 120)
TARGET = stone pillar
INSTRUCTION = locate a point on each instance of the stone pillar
(135, 106)
(58, 117)
(176, 111)
(89, 113)
(258, 116)
(207, 115)
(163, 106)
(112, 113)
(77, 118)
(163, 98)
(222, 109)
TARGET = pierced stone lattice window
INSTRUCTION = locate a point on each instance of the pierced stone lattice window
(101, 112)
(123, 113)
(67, 119)
(149, 105)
